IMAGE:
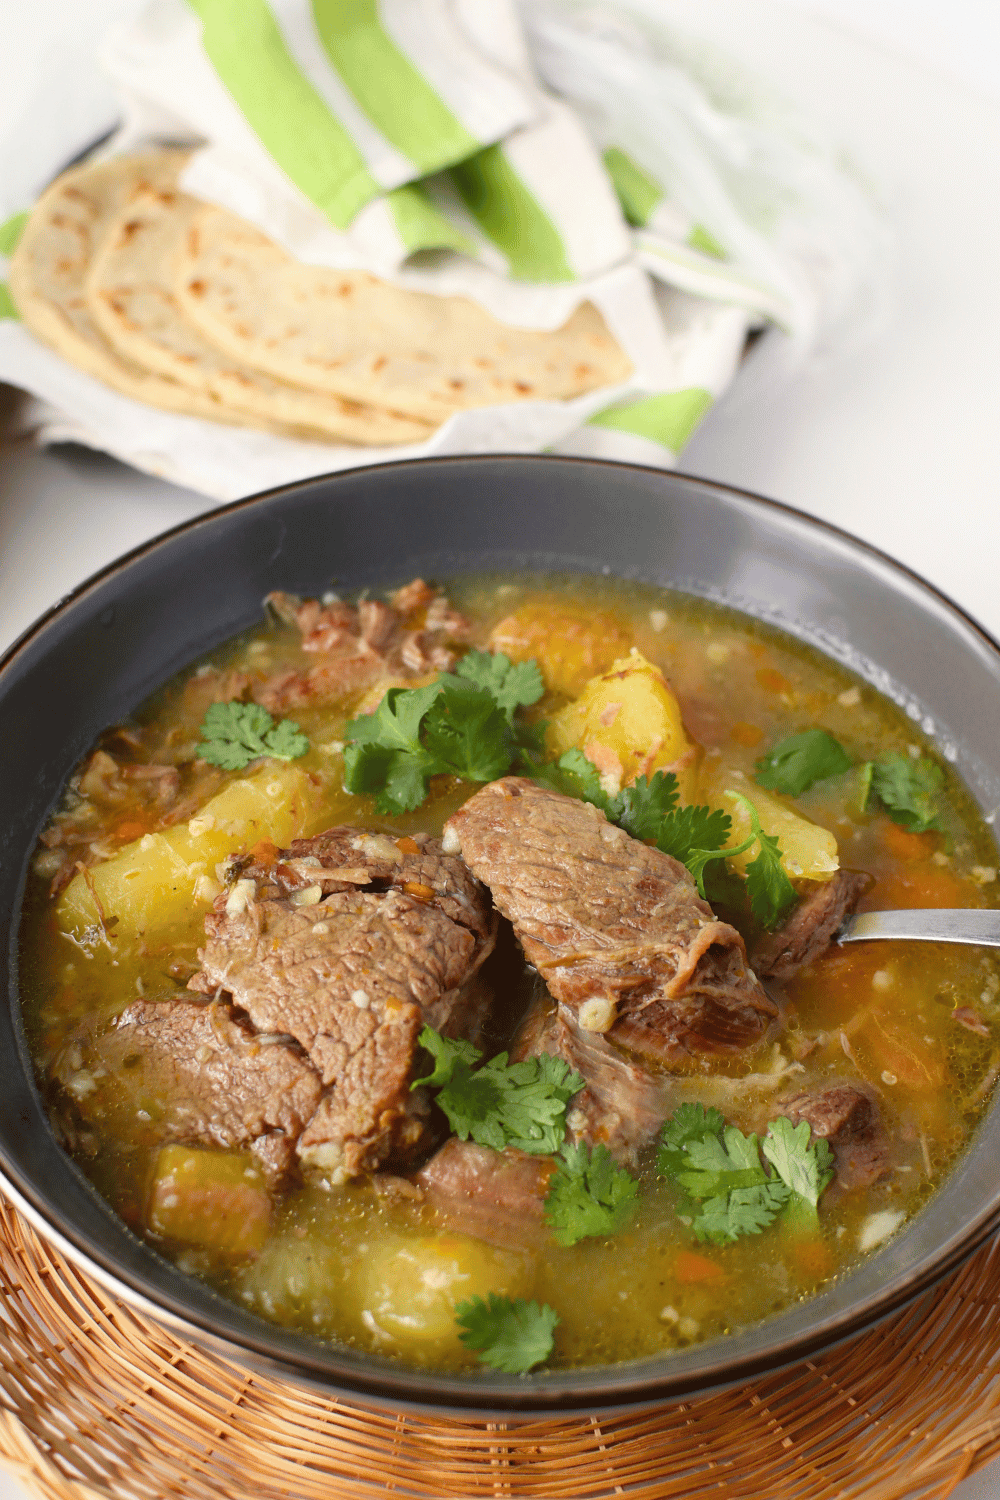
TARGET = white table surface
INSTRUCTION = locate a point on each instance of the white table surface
(896, 441)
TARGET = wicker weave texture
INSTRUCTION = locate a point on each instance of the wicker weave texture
(101, 1402)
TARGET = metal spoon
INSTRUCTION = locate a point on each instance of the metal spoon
(934, 925)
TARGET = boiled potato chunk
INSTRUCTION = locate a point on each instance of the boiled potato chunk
(628, 722)
(808, 852)
(215, 1199)
(410, 1286)
(152, 882)
(569, 641)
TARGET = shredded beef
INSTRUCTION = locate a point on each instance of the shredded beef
(616, 929)
(810, 928)
(358, 646)
(214, 1082)
(848, 1117)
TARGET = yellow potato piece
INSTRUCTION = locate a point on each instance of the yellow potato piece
(628, 722)
(151, 883)
(217, 1199)
(808, 852)
(569, 641)
(409, 1286)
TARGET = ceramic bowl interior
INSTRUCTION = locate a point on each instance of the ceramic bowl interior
(102, 651)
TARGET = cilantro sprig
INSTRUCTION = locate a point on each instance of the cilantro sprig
(647, 809)
(797, 763)
(500, 1104)
(696, 836)
(907, 788)
(588, 1195)
(507, 1333)
(771, 892)
(727, 1190)
(234, 734)
(463, 724)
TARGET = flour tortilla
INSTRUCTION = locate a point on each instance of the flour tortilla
(129, 293)
(50, 264)
(352, 335)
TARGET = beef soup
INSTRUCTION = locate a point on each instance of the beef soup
(450, 975)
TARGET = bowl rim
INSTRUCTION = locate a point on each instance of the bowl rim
(418, 1391)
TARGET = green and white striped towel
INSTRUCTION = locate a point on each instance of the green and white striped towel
(358, 133)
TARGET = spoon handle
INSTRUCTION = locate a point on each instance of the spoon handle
(936, 925)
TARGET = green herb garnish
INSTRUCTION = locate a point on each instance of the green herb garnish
(463, 724)
(588, 1195)
(507, 1333)
(796, 764)
(501, 1104)
(907, 788)
(234, 734)
(726, 1187)
(771, 891)
(805, 1169)
(695, 836)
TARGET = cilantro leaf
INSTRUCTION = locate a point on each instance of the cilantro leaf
(575, 776)
(462, 725)
(234, 734)
(384, 754)
(718, 1166)
(507, 1333)
(588, 1195)
(770, 890)
(746, 1210)
(501, 1104)
(464, 731)
(805, 1170)
(692, 829)
(446, 1052)
(689, 1122)
(797, 763)
(642, 807)
(907, 789)
(510, 686)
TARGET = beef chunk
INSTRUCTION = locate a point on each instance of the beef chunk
(212, 1080)
(616, 929)
(343, 859)
(622, 1105)
(495, 1195)
(353, 978)
(848, 1117)
(810, 928)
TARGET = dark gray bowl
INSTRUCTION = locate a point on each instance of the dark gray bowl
(99, 653)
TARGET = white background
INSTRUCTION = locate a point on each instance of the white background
(897, 441)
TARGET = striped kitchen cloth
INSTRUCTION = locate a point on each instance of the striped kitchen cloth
(357, 134)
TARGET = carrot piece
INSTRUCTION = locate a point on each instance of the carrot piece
(747, 734)
(772, 681)
(692, 1269)
(915, 1063)
(904, 844)
(264, 852)
(130, 829)
(927, 886)
(407, 846)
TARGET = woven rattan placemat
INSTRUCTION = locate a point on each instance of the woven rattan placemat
(100, 1402)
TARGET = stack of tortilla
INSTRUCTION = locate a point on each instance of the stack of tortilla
(184, 306)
